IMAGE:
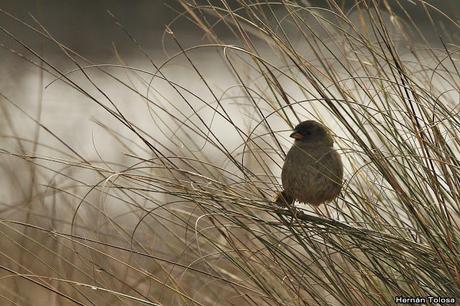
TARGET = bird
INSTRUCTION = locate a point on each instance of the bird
(312, 171)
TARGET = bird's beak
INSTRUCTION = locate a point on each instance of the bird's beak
(296, 136)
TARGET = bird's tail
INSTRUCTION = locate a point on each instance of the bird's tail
(284, 199)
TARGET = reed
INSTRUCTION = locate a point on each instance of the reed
(186, 214)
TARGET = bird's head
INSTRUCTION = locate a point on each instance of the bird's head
(312, 132)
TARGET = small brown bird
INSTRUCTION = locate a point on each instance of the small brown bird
(313, 171)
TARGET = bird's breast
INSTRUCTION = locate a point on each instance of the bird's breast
(312, 174)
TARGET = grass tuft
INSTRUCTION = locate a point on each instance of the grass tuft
(184, 213)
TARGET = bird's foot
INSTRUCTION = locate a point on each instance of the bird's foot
(284, 199)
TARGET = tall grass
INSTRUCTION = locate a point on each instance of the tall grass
(186, 214)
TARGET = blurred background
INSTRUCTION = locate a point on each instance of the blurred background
(86, 27)
(121, 44)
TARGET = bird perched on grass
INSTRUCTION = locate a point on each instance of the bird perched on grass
(313, 171)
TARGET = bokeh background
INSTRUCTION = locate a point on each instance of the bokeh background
(41, 115)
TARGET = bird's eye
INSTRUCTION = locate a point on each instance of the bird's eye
(307, 133)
